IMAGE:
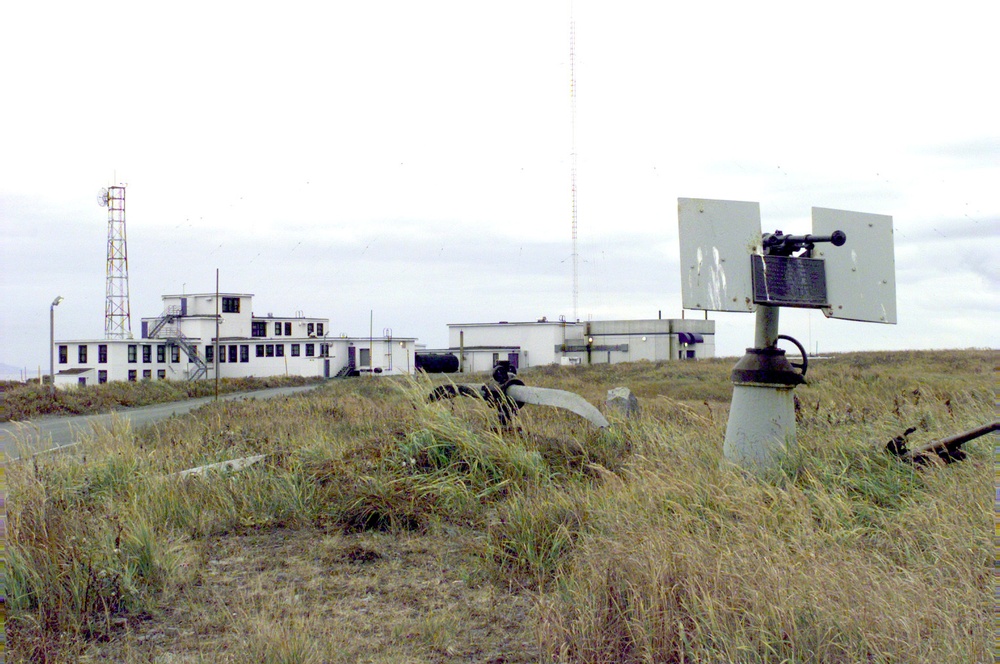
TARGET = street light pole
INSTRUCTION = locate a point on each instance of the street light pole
(52, 345)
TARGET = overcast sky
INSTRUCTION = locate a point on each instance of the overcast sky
(412, 159)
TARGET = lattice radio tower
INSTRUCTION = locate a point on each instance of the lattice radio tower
(572, 168)
(117, 316)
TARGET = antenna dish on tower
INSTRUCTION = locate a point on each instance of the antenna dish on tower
(102, 197)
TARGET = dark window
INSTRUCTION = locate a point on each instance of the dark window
(102, 377)
(222, 353)
(324, 350)
(147, 374)
(295, 350)
(147, 354)
(277, 329)
(161, 373)
(210, 354)
(63, 354)
(310, 329)
(131, 375)
(161, 354)
(288, 329)
(269, 350)
(319, 329)
(132, 349)
(244, 353)
(310, 350)
(260, 350)
(230, 305)
(234, 353)
(82, 354)
(102, 354)
(81, 380)
(175, 353)
(279, 350)
(258, 328)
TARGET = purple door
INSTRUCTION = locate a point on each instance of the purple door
(352, 357)
(512, 358)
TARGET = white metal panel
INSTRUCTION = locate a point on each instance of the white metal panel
(716, 241)
(861, 274)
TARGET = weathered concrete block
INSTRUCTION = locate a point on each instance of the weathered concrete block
(621, 400)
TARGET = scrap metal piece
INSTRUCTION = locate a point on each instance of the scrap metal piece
(223, 466)
(508, 394)
(947, 449)
(544, 396)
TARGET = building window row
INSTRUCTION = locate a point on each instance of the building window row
(82, 354)
(133, 374)
(295, 350)
(147, 354)
(230, 353)
(258, 329)
(227, 353)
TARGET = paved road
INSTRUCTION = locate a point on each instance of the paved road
(52, 432)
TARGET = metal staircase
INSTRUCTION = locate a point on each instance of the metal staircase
(167, 324)
(201, 369)
(168, 317)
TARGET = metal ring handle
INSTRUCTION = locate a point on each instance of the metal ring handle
(802, 366)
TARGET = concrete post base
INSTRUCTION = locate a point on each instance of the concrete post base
(761, 428)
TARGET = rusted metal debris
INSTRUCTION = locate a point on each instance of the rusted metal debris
(947, 449)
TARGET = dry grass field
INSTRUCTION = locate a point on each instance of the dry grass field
(26, 401)
(381, 527)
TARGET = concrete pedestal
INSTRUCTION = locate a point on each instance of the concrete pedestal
(761, 428)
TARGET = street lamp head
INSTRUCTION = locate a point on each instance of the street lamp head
(56, 301)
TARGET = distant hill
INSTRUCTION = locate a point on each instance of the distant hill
(10, 372)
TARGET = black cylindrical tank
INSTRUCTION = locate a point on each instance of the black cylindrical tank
(436, 362)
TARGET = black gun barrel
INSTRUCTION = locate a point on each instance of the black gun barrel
(779, 243)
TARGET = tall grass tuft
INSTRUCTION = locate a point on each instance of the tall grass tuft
(852, 557)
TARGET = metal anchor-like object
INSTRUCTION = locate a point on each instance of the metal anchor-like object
(947, 449)
(508, 394)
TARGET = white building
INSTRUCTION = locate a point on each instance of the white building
(528, 344)
(180, 344)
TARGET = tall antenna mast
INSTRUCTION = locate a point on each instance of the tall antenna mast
(572, 170)
(117, 316)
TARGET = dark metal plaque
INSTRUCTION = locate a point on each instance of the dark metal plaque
(786, 281)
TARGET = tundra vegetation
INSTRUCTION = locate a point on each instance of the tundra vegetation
(382, 527)
(24, 401)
